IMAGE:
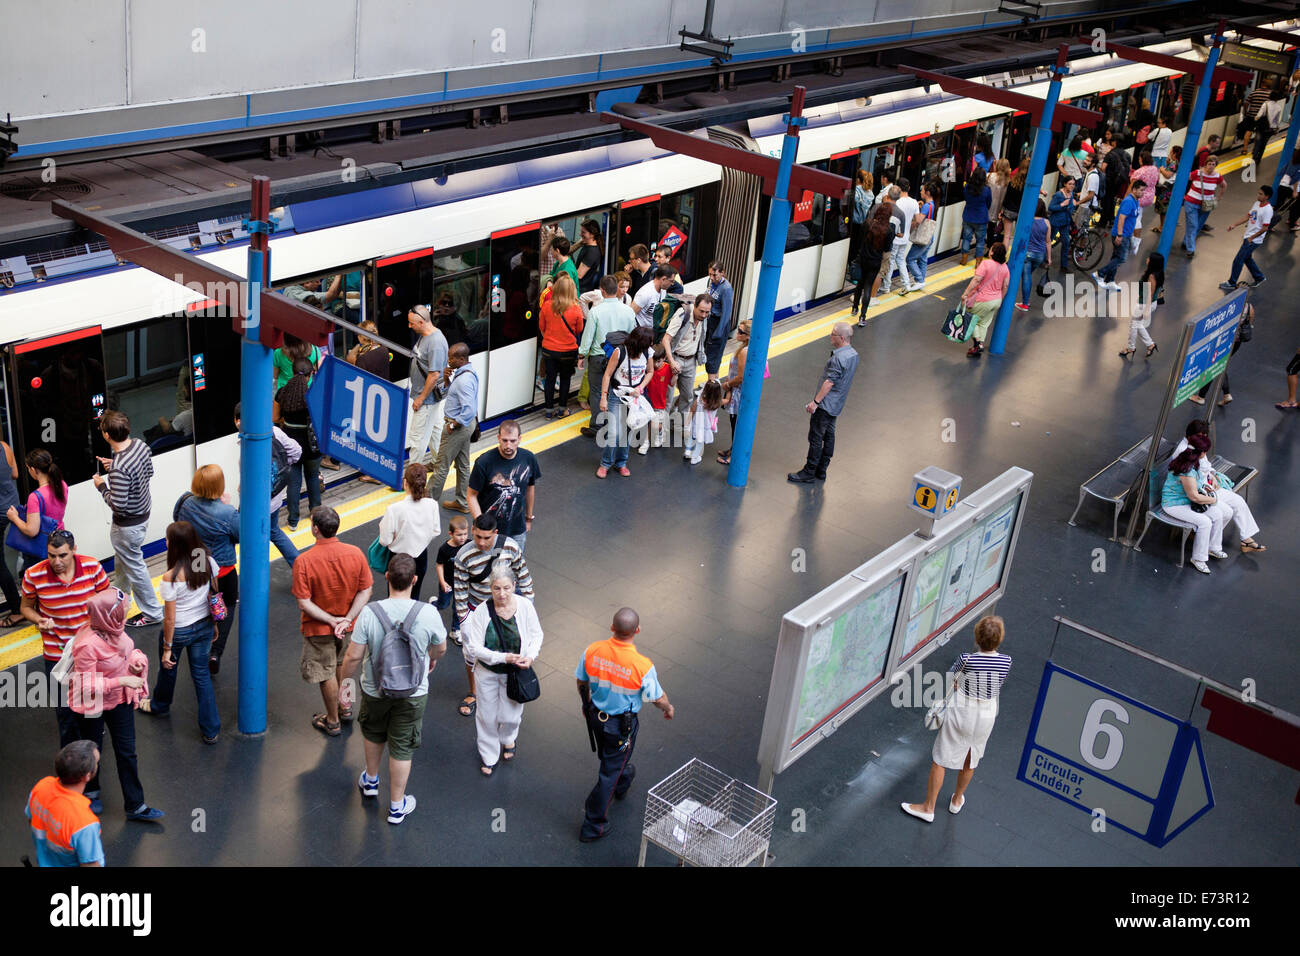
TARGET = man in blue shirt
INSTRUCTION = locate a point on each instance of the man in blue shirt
(827, 405)
(1289, 197)
(460, 420)
(719, 327)
(1122, 234)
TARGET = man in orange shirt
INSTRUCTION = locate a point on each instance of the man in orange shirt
(66, 831)
(332, 582)
(613, 679)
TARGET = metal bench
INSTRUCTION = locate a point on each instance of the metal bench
(1240, 475)
(1116, 482)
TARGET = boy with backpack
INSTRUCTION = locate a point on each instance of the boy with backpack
(401, 640)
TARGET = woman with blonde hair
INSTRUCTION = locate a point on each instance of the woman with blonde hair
(999, 179)
(500, 634)
(207, 507)
(968, 720)
(560, 322)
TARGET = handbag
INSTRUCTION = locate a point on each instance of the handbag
(378, 555)
(63, 668)
(959, 326)
(217, 603)
(934, 717)
(35, 546)
(522, 684)
(923, 232)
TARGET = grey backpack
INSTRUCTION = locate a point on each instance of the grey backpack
(403, 661)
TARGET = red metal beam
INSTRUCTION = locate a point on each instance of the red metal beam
(801, 177)
(280, 313)
(1263, 33)
(1032, 105)
(1178, 64)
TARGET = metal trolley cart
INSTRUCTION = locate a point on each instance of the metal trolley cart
(705, 818)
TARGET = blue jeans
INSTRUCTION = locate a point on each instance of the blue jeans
(293, 491)
(1032, 262)
(194, 640)
(1195, 220)
(1118, 256)
(281, 540)
(976, 230)
(1062, 233)
(1246, 256)
(918, 260)
(120, 722)
(612, 435)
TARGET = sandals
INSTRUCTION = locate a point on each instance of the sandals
(1286, 405)
(345, 714)
(14, 620)
(1248, 546)
(724, 458)
(1126, 353)
(508, 753)
(468, 706)
(486, 770)
(321, 723)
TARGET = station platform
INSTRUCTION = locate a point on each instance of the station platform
(710, 570)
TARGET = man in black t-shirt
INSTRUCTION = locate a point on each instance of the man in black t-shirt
(501, 484)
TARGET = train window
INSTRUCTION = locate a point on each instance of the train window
(59, 394)
(148, 377)
(938, 149)
(214, 363)
(461, 307)
(515, 286)
(1226, 100)
(676, 230)
(401, 282)
(637, 224)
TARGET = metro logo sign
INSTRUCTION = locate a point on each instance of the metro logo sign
(674, 239)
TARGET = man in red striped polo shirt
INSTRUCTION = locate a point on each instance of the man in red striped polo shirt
(55, 593)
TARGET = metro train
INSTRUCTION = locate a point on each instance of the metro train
(96, 334)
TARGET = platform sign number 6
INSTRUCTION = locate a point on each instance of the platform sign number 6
(376, 412)
(1095, 727)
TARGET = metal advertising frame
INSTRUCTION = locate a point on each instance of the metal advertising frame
(899, 563)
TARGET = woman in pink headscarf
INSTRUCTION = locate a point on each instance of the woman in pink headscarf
(109, 675)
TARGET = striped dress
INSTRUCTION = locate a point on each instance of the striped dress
(974, 708)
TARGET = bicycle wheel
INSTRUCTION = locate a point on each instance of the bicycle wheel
(1089, 253)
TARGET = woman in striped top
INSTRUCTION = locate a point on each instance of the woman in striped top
(960, 745)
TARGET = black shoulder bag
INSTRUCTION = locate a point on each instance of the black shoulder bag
(521, 682)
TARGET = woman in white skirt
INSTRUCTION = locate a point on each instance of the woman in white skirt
(1221, 487)
(500, 634)
(978, 680)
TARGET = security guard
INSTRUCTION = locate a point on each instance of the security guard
(613, 679)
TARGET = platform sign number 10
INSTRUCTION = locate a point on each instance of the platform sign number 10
(376, 412)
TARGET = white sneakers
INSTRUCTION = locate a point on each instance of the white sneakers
(398, 814)
(644, 449)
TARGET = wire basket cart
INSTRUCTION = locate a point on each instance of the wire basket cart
(705, 818)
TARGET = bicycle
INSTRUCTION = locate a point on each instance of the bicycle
(1087, 244)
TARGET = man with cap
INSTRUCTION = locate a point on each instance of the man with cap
(613, 679)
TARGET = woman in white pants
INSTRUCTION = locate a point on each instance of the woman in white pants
(1221, 487)
(1150, 289)
(968, 722)
(500, 634)
(1182, 490)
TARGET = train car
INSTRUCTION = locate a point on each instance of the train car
(95, 334)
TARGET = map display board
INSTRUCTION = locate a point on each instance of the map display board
(847, 658)
(844, 647)
(957, 577)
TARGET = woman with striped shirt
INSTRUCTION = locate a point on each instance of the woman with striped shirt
(969, 721)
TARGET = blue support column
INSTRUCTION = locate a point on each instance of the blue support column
(1191, 143)
(769, 279)
(1025, 217)
(255, 479)
(1288, 146)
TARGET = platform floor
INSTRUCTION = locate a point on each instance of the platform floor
(709, 569)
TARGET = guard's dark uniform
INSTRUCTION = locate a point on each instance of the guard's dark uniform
(620, 677)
